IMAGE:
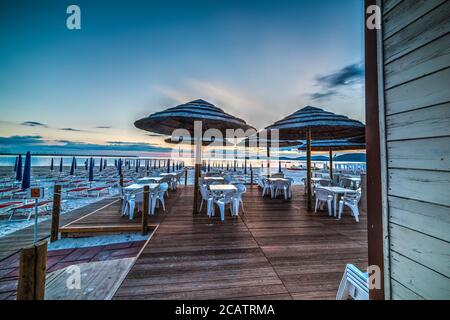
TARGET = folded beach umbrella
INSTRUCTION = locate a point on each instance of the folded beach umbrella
(119, 166)
(26, 181)
(91, 170)
(101, 165)
(72, 167)
(19, 168)
(105, 163)
(312, 123)
(86, 164)
(75, 162)
(15, 164)
(51, 165)
(185, 116)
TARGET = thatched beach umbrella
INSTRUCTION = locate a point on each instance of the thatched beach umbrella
(185, 117)
(312, 123)
(335, 145)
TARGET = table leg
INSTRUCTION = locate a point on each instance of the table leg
(334, 204)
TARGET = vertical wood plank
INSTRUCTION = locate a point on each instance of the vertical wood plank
(32, 271)
(56, 210)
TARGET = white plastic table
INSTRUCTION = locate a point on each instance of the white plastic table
(137, 186)
(222, 187)
(336, 191)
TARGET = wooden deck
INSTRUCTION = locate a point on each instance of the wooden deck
(276, 250)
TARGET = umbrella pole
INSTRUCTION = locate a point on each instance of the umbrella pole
(198, 164)
(268, 158)
(308, 170)
(331, 164)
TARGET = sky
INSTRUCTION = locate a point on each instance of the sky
(63, 90)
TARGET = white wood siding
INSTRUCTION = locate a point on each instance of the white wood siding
(416, 73)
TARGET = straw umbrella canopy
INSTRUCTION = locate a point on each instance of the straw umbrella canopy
(312, 123)
(184, 116)
(335, 145)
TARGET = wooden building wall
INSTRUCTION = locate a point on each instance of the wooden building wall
(415, 46)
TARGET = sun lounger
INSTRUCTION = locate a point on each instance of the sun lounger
(98, 190)
(7, 206)
(81, 191)
(8, 191)
(29, 207)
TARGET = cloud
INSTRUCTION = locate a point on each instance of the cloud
(320, 96)
(71, 129)
(34, 124)
(232, 100)
(17, 140)
(348, 75)
(37, 144)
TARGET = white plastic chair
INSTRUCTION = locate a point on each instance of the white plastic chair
(225, 199)
(352, 201)
(322, 197)
(354, 283)
(237, 200)
(266, 187)
(281, 187)
(208, 198)
(158, 195)
(129, 202)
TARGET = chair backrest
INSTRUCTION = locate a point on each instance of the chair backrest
(322, 194)
(281, 184)
(163, 187)
(355, 283)
(228, 196)
(241, 189)
(324, 183)
(346, 183)
(204, 191)
(355, 197)
(278, 175)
